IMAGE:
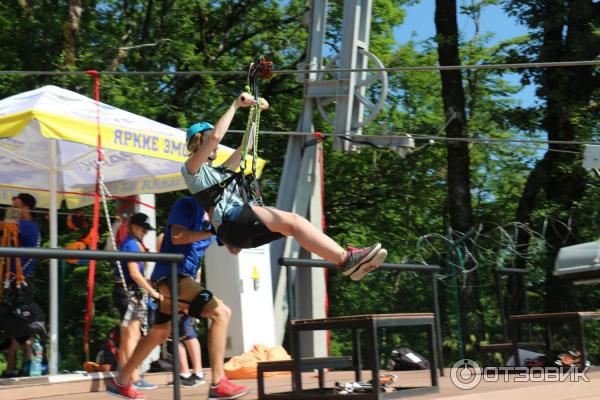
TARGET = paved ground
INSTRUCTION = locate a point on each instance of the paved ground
(484, 391)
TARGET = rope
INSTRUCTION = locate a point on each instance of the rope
(104, 191)
(95, 223)
(550, 64)
(144, 322)
(101, 191)
(262, 68)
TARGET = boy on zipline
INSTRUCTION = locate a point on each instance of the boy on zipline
(240, 224)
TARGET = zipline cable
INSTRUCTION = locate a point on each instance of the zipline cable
(550, 64)
(427, 137)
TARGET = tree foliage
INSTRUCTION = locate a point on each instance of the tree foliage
(396, 196)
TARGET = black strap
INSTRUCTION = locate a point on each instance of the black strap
(210, 196)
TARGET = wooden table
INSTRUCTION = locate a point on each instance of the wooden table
(576, 319)
(371, 324)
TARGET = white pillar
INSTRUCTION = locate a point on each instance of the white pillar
(53, 178)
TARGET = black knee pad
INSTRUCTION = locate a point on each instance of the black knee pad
(199, 302)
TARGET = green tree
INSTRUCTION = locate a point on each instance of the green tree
(560, 31)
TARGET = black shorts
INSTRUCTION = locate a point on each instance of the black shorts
(246, 231)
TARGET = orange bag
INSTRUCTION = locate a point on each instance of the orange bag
(245, 365)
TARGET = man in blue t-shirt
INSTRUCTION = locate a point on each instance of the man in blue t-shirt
(187, 233)
(187, 221)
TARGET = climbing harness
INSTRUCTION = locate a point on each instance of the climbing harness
(19, 313)
(10, 238)
(247, 184)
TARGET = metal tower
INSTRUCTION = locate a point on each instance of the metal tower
(300, 188)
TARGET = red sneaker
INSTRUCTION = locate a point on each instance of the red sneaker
(124, 391)
(227, 390)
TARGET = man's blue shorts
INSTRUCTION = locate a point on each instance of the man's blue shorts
(187, 328)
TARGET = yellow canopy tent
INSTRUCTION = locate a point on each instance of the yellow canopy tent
(48, 140)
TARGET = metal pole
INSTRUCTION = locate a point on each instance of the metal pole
(453, 248)
(455, 294)
(43, 253)
(311, 263)
(438, 322)
(58, 253)
(175, 325)
(297, 183)
(501, 307)
(526, 306)
(514, 271)
(54, 355)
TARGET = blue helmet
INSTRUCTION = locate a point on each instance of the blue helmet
(196, 128)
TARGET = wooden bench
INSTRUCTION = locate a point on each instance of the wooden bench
(575, 320)
(370, 324)
(306, 364)
(506, 349)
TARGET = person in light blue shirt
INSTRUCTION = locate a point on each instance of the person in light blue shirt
(245, 225)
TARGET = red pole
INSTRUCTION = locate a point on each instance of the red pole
(96, 219)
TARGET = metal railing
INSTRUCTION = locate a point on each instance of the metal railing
(419, 268)
(173, 259)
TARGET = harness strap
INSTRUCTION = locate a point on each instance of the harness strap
(210, 196)
(10, 238)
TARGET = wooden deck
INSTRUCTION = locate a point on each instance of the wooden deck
(80, 387)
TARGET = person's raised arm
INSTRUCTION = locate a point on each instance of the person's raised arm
(233, 162)
(210, 141)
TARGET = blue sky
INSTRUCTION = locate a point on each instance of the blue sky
(419, 25)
